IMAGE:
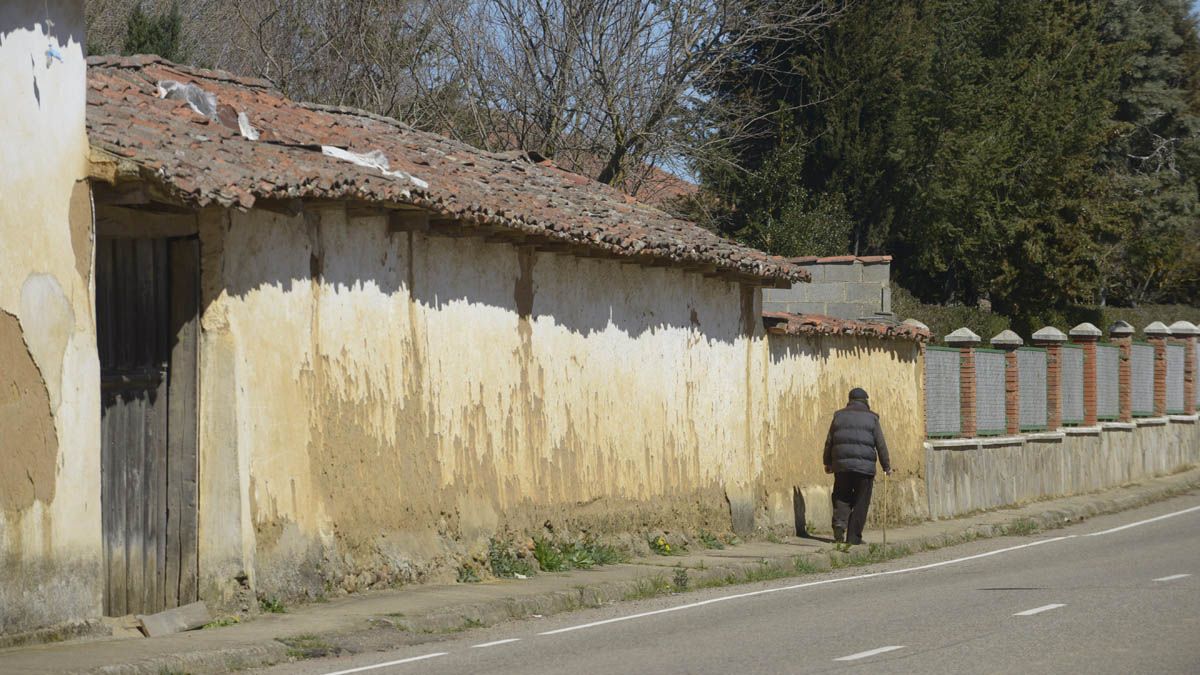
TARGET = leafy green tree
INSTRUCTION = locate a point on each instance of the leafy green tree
(960, 135)
(1153, 158)
(159, 34)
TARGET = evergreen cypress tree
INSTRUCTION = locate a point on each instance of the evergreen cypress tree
(159, 34)
(1011, 150)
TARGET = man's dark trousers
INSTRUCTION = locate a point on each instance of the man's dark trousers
(851, 498)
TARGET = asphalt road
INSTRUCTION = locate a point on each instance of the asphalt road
(1078, 599)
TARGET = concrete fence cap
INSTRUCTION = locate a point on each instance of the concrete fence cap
(1184, 329)
(915, 324)
(1085, 329)
(1049, 334)
(1157, 329)
(1007, 338)
(963, 336)
(1120, 329)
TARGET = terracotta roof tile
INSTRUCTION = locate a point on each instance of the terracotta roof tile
(784, 323)
(864, 259)
(199, 162)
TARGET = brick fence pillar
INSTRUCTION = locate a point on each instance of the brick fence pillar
(1009, 342)
(1186, 333)
(966, 342)
(1051, 339)
(1157, 334)
(1121, 335)
(1086, 335)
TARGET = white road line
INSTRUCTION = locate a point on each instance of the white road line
(870, 652)
(1143, 522)
(497, 642)
(823, 582)
(1173, 577)
(389, 663)
(1039, 610)
(809, 584)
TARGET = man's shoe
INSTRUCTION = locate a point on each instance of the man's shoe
(839, 535)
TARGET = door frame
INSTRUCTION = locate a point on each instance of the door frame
(176, 509)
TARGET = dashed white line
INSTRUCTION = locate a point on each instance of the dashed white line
(1142, 522)
(1173, 577)
(388, 663)
(497, 642)
(1039, 610)
(869, 652)
(860, 655)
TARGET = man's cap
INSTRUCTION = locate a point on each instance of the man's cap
(858, 394)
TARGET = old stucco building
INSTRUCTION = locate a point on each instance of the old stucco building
(316, 349)
(49, 376)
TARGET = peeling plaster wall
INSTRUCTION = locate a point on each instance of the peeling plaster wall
(375, 406)
(809, 379)
(50, 553)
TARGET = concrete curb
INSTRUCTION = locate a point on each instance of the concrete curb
(223, 660)
(1039, 516)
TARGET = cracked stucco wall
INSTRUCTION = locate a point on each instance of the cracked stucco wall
(49, 374)
(375, 406)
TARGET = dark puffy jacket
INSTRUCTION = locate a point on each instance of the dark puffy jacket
(855, 440)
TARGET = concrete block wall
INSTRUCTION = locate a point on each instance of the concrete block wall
(846, 287)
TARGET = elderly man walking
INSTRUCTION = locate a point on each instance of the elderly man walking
(854, 443)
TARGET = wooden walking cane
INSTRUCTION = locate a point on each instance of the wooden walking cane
(886, 476)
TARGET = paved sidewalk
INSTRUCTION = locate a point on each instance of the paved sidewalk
(423, 613)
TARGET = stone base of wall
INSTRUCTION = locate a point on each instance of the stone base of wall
(36, 594)
(966, 475)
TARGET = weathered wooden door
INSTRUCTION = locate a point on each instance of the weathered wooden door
(146, 301)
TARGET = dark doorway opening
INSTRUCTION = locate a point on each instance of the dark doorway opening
(147, 295)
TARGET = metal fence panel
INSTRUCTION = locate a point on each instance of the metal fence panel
(942, 396)
(1108, 382)
(989, 391)
(1175, 355)
(1143, 379)
(1071, 384)
(1031, 371)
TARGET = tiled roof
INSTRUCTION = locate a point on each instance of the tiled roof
(864, 259)
(784, 323)
(199, 161)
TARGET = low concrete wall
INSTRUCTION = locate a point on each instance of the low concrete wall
(965, 475)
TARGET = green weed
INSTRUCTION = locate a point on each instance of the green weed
(1021, 527)
(221, 622)
(649, 587)
(577, 556)
(604, 554)
(710, 540)
(803, 565)
(503, 560)
(549, 558)
(271, 605)
(307, 646)
(680, 581)
(467, 574)
(660, 546)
